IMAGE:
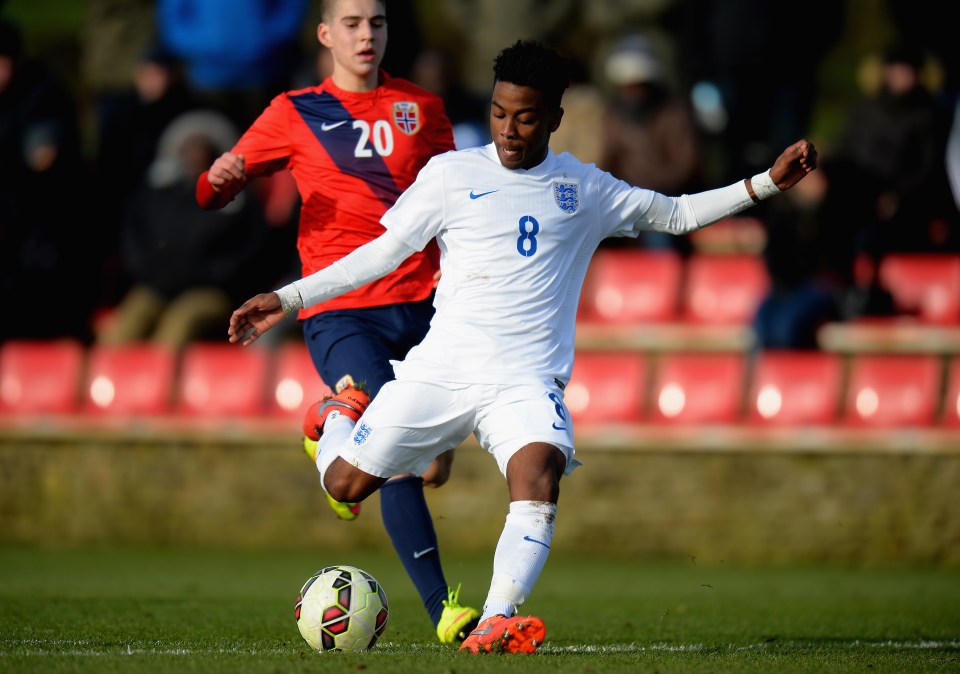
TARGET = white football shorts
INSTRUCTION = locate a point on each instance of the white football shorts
(411, 422)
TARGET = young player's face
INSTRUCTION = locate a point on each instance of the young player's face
(521, 124)
(356, 35)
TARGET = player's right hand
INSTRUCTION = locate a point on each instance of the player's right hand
(254, 317)
(226, 169)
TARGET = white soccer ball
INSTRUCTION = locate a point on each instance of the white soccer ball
(341, 609)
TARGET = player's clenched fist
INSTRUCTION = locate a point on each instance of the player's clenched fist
(226, 170)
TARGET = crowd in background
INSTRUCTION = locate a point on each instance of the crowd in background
(101, 239)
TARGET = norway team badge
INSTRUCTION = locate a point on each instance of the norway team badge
(567, 196)
(406, 117)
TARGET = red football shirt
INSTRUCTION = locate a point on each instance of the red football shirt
(352, 155)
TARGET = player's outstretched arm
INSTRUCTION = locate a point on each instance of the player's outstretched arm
(370, 261)
(254, 317)
(690, 212)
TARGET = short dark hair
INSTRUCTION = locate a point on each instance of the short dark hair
(529, 63)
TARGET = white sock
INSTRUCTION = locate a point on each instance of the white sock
(336, 429)
(521, 554)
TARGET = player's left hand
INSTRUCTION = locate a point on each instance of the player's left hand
(254, 317)
(793, 164)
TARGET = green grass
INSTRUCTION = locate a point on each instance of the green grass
(183, 611)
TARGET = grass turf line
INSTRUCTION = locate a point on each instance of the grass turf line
(207, 611)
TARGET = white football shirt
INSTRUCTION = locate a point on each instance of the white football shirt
(515, 246)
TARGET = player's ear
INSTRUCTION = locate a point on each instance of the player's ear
(323, 35)
(555, 122)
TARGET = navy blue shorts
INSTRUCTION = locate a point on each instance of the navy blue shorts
(362, 342)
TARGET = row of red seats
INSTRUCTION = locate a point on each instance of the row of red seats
(205, 380)
(222, 381)
(625, 286)
(776, 388)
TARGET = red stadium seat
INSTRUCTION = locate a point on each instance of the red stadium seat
(924, 285)
(795, 388)
(133, 380)
(889, 390)
(607, 387)
(632, 286)
(295, 383)
(951, 401)
(698, 387)
(40, 377)
(723, 289)
(222, 380)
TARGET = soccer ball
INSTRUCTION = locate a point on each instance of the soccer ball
(341, 608)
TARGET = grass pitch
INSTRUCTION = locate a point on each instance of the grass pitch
(149, 611)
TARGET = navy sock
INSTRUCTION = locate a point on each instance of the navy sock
(407, 520)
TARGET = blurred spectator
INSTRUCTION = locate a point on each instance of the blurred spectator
(189, 267)
(129, 124)
(649, 133)
(755, 104)
(923, 22)
(583, 105)
(600, 24)
(45, 254)
(894, 140)
(238, 54)
(883, 188)
(481, 28)
(468, 113)
(650, 136)
(809, 261)
(131, 121)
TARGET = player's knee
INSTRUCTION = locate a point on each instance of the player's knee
(533, 473)
(346, 491)
(350, 485)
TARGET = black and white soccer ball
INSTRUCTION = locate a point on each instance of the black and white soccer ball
(341, 609)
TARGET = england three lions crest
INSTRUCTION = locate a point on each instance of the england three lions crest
(406, 117)
(567, 196)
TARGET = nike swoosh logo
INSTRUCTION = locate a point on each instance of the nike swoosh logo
(481, 194)
(329, 127)
(534, 540)
(558, 428)
(421, 553)
(486, 630)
